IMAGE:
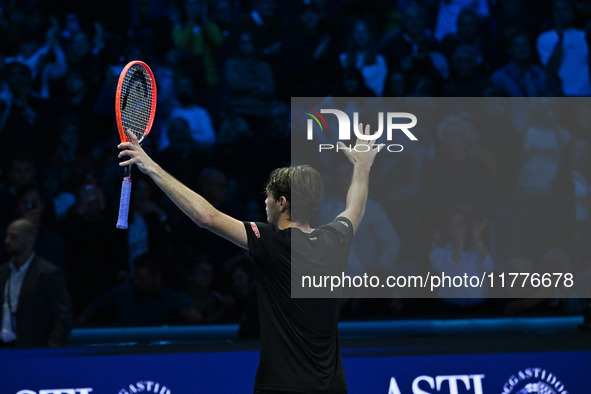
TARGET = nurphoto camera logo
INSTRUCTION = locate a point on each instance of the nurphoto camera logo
(391, 122)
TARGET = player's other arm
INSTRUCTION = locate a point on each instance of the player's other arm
(192, 204)
(199, 209)
(357, 195)
(358, 190)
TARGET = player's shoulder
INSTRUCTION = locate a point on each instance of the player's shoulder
(260, 230)
(340, 227)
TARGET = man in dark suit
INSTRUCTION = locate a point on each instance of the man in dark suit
(36, 309)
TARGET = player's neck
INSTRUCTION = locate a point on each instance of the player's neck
(284, 223)
(304, 228)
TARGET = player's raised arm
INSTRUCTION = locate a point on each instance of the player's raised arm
(362, 161)
(191, 203)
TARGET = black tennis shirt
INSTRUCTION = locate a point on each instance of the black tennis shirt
(300, 349)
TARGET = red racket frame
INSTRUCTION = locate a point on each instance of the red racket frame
(118, 100)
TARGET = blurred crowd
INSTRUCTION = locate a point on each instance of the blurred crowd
(225, 72)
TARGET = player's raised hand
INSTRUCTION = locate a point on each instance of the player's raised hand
(364, 151)
(135, 153)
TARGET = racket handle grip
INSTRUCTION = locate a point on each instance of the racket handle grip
(124, 203)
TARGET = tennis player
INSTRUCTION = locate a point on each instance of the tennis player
(299, 351)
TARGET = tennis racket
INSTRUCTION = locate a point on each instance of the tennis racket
(135, 107)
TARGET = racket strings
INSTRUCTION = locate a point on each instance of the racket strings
(136, 102)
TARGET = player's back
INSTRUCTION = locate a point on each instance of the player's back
(299, 336)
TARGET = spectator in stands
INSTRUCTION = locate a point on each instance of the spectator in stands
(224, 15)
(362, 53)
(469, 32)
(352, 84)
(571, 201)
(31, 204)
(455, 176)
(308, 57)
(65, 167)
(279, 135)
(449, 12)
(414, 50)
(77, 98)
(242, 303)
(462, 250)
(213, 186)
(466, 80)
(250, 83)
(152, 14)
(237, 143)
(499, 146)
(70, 26)
(509, 18)
(262, 21)
(47, 61)
(182, 149)
(93, 249)
(144, 302)
(194, 33)
(64, 161)
(564, 51)
(99, 98)
(36, 309)
(20, 169)
(395, 84)
(148, 229)
(200, 124)
(544, 143)
(86, 55)
(213, 306)
(26, 117)
(521, 77)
